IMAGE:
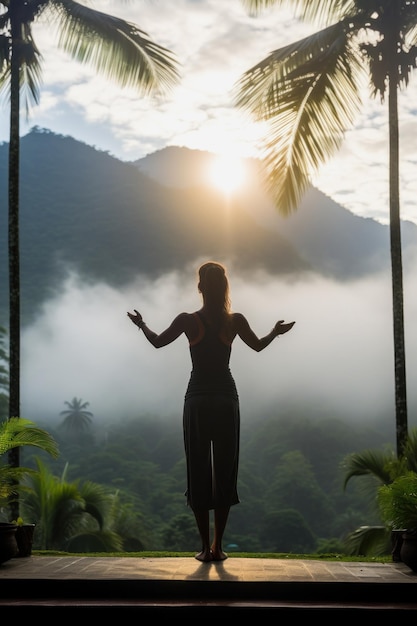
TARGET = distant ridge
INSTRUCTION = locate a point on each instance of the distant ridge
(332, 239)
(109, 220)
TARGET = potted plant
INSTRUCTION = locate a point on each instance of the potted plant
(17, 432)
(379, 468)
(24, 537)
(397, 502)
(8, 544)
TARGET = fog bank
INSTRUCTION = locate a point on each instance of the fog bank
(338, 356)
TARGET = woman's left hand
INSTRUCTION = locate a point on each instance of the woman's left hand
(281, 328)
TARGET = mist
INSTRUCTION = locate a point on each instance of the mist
(338, 359)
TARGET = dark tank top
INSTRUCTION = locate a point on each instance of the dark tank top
(210, 357)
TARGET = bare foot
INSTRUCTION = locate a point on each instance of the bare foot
(204, 556)
(218, 555)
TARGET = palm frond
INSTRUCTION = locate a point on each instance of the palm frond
(29, 63)
(98, 502)
(308, 94)
(30, 77)
(408, 11)
(330, 11)
(368, 540)
(321, 11)
(114, 47)
(373, 463)
(10, 478)
(18, 431)
(410, 35)
(256, 6)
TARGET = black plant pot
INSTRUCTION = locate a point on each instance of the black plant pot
(24, 539)
(396, 543)
(409, 550)
(8, 544)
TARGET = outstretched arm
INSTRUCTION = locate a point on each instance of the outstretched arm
(176, 328)
(247, 335)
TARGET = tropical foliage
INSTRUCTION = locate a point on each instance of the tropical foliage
(309, 93)
(18, 432)
(388, 483)
(397, 502)
(71, 516)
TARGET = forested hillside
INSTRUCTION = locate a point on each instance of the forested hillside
(290, 483)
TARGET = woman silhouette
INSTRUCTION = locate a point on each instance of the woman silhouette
(211, 415)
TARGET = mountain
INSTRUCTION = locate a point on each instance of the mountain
(331, 239)
(84, 210)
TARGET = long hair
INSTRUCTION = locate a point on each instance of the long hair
(214, 286)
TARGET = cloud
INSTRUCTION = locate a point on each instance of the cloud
(339, 355)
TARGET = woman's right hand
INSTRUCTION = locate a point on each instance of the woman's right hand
(136, 317)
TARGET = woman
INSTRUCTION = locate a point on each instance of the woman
(211, 418)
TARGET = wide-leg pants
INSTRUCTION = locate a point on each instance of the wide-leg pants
(211, 439)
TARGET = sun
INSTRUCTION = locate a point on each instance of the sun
(226, 173)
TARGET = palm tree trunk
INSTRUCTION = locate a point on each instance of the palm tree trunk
(14, 251)
(396, 262)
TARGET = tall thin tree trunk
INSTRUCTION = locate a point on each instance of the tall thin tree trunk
(396, 263)
(14, 248)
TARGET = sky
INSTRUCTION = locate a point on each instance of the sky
(215, 42)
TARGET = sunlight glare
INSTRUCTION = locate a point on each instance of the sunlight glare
(226, 173)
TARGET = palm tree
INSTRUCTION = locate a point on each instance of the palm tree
(78, 419)
(310, 91)
(115, 48)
